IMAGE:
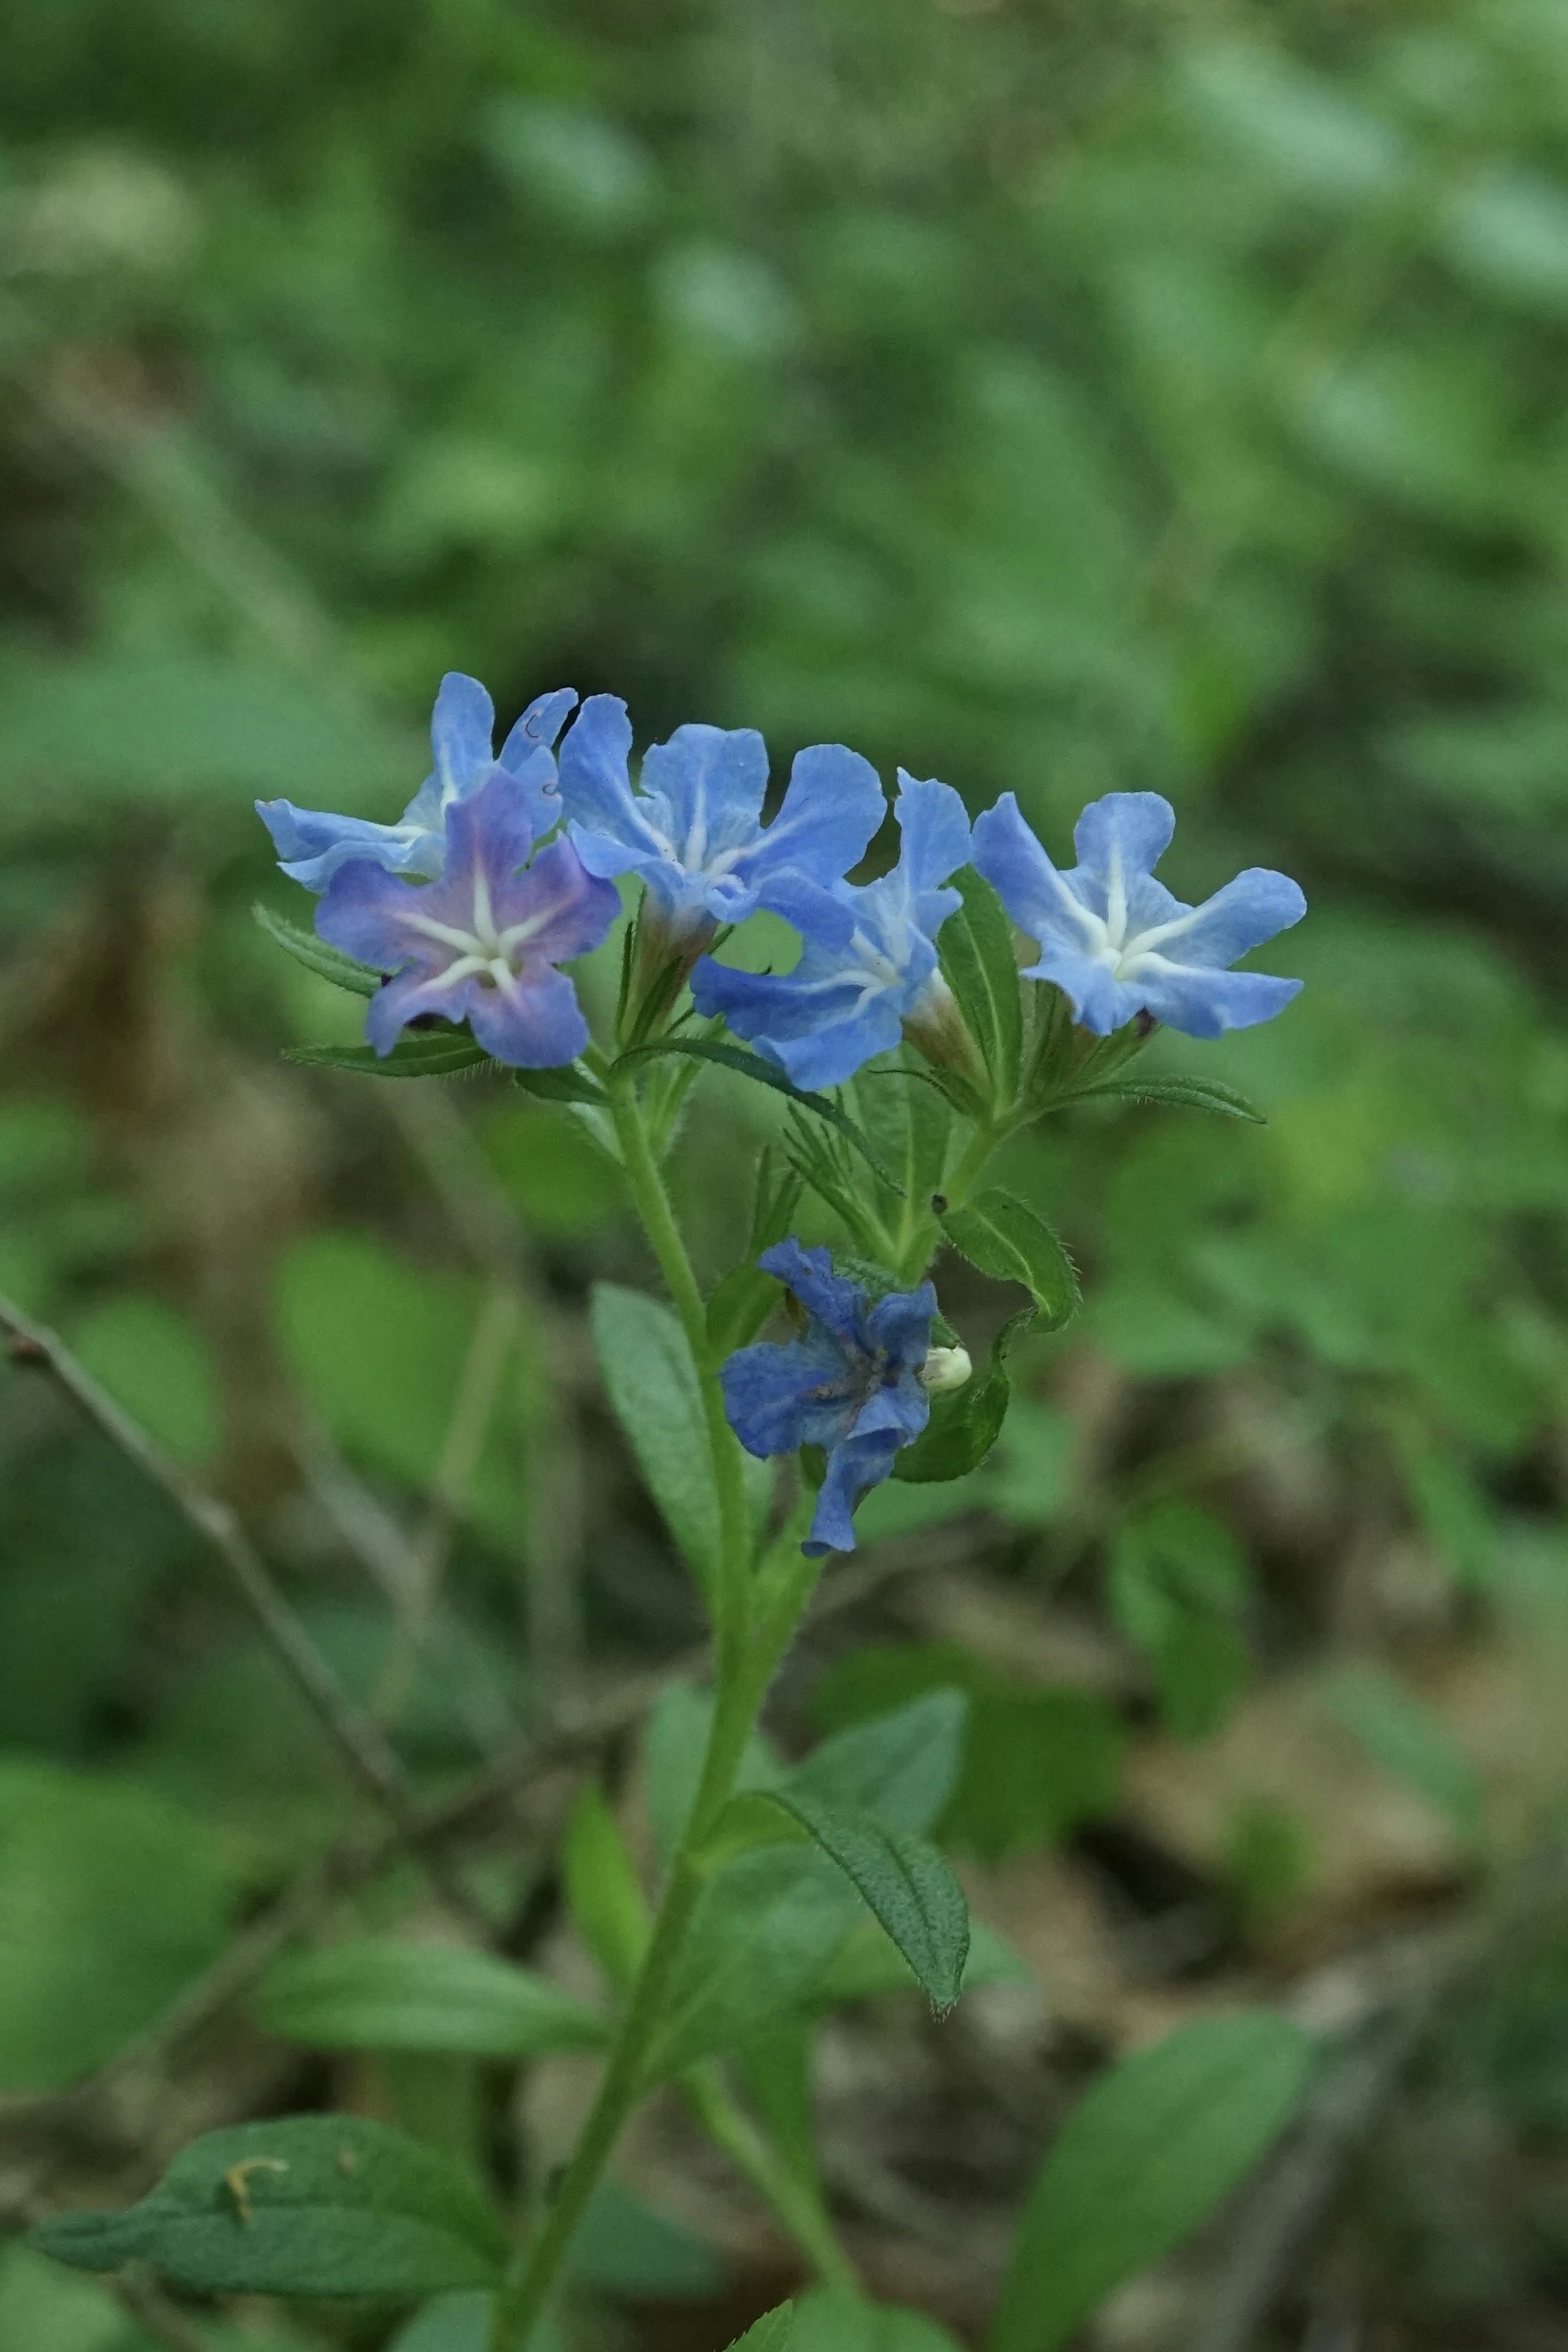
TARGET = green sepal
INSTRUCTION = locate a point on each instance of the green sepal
(1005, 1238)
(326, 963)
(965, 1424)
(765, 1073)
(975, 945)
(429, 1054)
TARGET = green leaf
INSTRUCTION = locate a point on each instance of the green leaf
(829, 2319)
(1037, 1763)
(569, 1084)
(430, 1053)
(908, 1120)
(1187, 1094)
(870, 1964)
(775, 2332)
(310, 2205)
(603, 1890)
(327, 962)
(380, 1995)
(452, 2323)
(905, 1882)
(653, 1386)
(1177, 1582)
(964, 1426)
(625, 2246)
(975, 945)
(1409, 1739)
(673, 1749)
(765, 1073)
(110, 1900)
(1008, 1241)
(902, 1768)
(1143, 2161)
(765, 1926)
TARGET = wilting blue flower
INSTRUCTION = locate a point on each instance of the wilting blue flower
(870, 964)
(312, 844)
(482, 943)
(850, 1383)
(1116, 942)
(694, 832)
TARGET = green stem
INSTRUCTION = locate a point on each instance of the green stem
(740, 1687)
(796, 2203)
(731, 1602)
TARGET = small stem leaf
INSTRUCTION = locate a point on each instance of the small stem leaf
(997, 1233)
(964, 1425)
(766, 1074)
(569, 1084)
(904, 1880)
(309, 2205)
(775, 2332)
(831, 2319)
(1144, 2159)
(430, 1054)
(766, 1926)
(653, 1386)
(902, 1768)
(326, 963)
(1187, 1094)
(603, 1890)
(438, 1998)
(975, 946)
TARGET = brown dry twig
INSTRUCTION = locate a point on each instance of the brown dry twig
(358, 1742)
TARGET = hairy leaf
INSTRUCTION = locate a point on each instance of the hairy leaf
(428, 1053)
(904, 1880)
(381, 1995)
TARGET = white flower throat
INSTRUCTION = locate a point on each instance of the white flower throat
(1106, 935)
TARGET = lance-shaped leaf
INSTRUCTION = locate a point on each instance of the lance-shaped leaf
(569, 1084)
(326, 963)
(904, 1880)
(431, 1054)
(764, 1074)
(382, 1995)
(310, 2205)
(1005, 1238)
(653, 1386)
(1144, 2159)
(902, 1768)
(775, 2332)
(1184, 1094)
(766, 1926)
(965, 1424)
(975, 945)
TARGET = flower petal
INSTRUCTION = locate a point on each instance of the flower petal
(1254, 907)
(901, 1323)
(1203, 1003)
(831, 813)
(1132, 829)
(836, 1301)
(935, 827)
(532, 1022)
(769, 1393)
(596, 789)
(857, 1464)
(567, 909)
(462, 727)
(711, 780)
(311, 843)
(1033, 893)
(537, 729)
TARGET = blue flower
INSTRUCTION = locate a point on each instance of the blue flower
(312, 844)
(482, 943)
(850, 1384)
(868, 968)
(694, 832)
(1115, 940)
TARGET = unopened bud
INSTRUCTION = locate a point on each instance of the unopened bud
(945, 1369)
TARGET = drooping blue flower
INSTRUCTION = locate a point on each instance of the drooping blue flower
(312, 845)
(850, 1384)
(694, 832)
(480, 944)
(868, 968)
(1116, 942)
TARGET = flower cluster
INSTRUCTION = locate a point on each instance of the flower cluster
(503, 867)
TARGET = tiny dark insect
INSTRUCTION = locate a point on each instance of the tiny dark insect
(939, 1204)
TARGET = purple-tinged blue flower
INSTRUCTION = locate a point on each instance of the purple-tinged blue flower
(482, 943)
(312, 844)
(1116, 942)
(852, 1384)
(695, 833)
(868, 968)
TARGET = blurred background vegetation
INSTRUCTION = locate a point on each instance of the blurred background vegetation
(1043, 397)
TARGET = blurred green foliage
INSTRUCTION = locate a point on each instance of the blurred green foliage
(1046, 399)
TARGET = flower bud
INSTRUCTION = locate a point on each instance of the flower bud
(945, 1369)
